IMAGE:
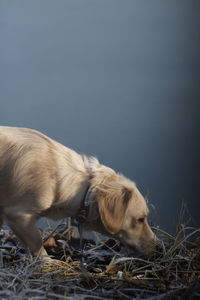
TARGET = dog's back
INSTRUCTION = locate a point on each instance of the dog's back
(23, 153)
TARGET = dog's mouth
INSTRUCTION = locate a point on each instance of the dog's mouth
(130, 248)
(136, 250)
(139, 252)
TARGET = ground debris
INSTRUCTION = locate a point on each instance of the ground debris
(107, 270)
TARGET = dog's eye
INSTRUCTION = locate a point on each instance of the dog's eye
(141, 220)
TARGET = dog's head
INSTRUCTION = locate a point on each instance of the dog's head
(123, 212)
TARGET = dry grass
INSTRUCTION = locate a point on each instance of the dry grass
(109, 271)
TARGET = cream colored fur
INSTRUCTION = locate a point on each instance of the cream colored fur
(40, 177)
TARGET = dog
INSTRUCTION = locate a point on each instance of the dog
(40, 177)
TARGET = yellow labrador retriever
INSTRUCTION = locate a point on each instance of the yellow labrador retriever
(40, 177)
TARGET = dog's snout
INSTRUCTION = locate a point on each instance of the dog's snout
(151, 246)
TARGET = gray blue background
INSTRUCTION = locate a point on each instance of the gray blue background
(118, 79)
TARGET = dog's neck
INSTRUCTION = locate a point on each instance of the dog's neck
(83, 213)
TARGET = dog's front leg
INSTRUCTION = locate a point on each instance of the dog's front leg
(23, 225)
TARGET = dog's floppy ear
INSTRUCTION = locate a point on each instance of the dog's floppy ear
(112, 204)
